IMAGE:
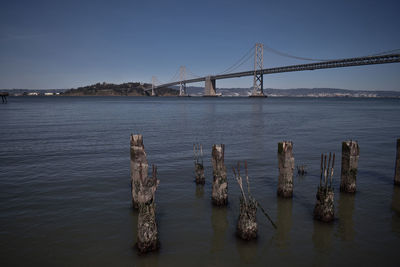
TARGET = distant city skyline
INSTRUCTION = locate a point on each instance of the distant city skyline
(67, 44)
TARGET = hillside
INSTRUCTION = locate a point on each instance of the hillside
(124, 89)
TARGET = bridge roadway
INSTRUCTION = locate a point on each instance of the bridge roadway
(340, 63)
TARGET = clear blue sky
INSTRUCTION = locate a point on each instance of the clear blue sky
(65, 44)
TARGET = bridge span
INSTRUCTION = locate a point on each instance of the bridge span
(210, 81)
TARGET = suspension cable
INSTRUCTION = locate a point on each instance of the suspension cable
(318, 59)
(277, 52)
(175, 77)
(191, 73)
(240, 62)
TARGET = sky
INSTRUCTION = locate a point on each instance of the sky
(67, 44)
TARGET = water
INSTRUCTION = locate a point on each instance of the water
(65, 186)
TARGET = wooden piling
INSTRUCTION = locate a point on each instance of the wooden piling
(247, 222)
(397, 166)
(220, 184)
(147, 234)
(198, 164)
(324, 209)
(4, 97)
(301, 170)
(139, 165)
(286, 167)
(350, 155)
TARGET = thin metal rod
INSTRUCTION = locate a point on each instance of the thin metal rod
(266, 215)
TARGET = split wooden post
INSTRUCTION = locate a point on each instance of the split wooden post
(220, 184)
(286, 167)
(247, 221)
(324, 209)
(350, 155)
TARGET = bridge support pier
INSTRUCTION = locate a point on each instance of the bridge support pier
(209, 89)
(182, 89)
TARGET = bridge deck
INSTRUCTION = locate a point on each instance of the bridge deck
(347, 62)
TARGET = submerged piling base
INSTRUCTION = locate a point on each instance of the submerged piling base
(199, 169)
(324, 207)
(147, 236)
(220, 184)
(247, 221)
(221, 198)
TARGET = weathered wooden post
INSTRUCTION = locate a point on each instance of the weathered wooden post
(220, 184)
(138, 165)
(301, 170)
(198, 164)
(397, 167)
(324, 207)
(247, 221)
(286, 167)
(147, 234)
(350, 155)
(4, 97)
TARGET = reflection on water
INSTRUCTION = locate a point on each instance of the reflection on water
(345, 215)
(396, 210)
(322, 235)
(247, 250)
(199, 190)
(219, 223)
(284, 222)
(257, 122)
(322, 239)
(149, 260)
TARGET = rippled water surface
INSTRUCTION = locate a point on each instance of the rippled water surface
(65, 184)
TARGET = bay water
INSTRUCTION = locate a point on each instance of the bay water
(65, 195)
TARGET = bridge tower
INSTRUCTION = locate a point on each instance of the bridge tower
(258, 75)
(153, 84)
(182, 77)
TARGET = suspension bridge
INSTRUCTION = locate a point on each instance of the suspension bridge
(258, 72)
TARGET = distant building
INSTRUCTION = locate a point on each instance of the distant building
(48, 94)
